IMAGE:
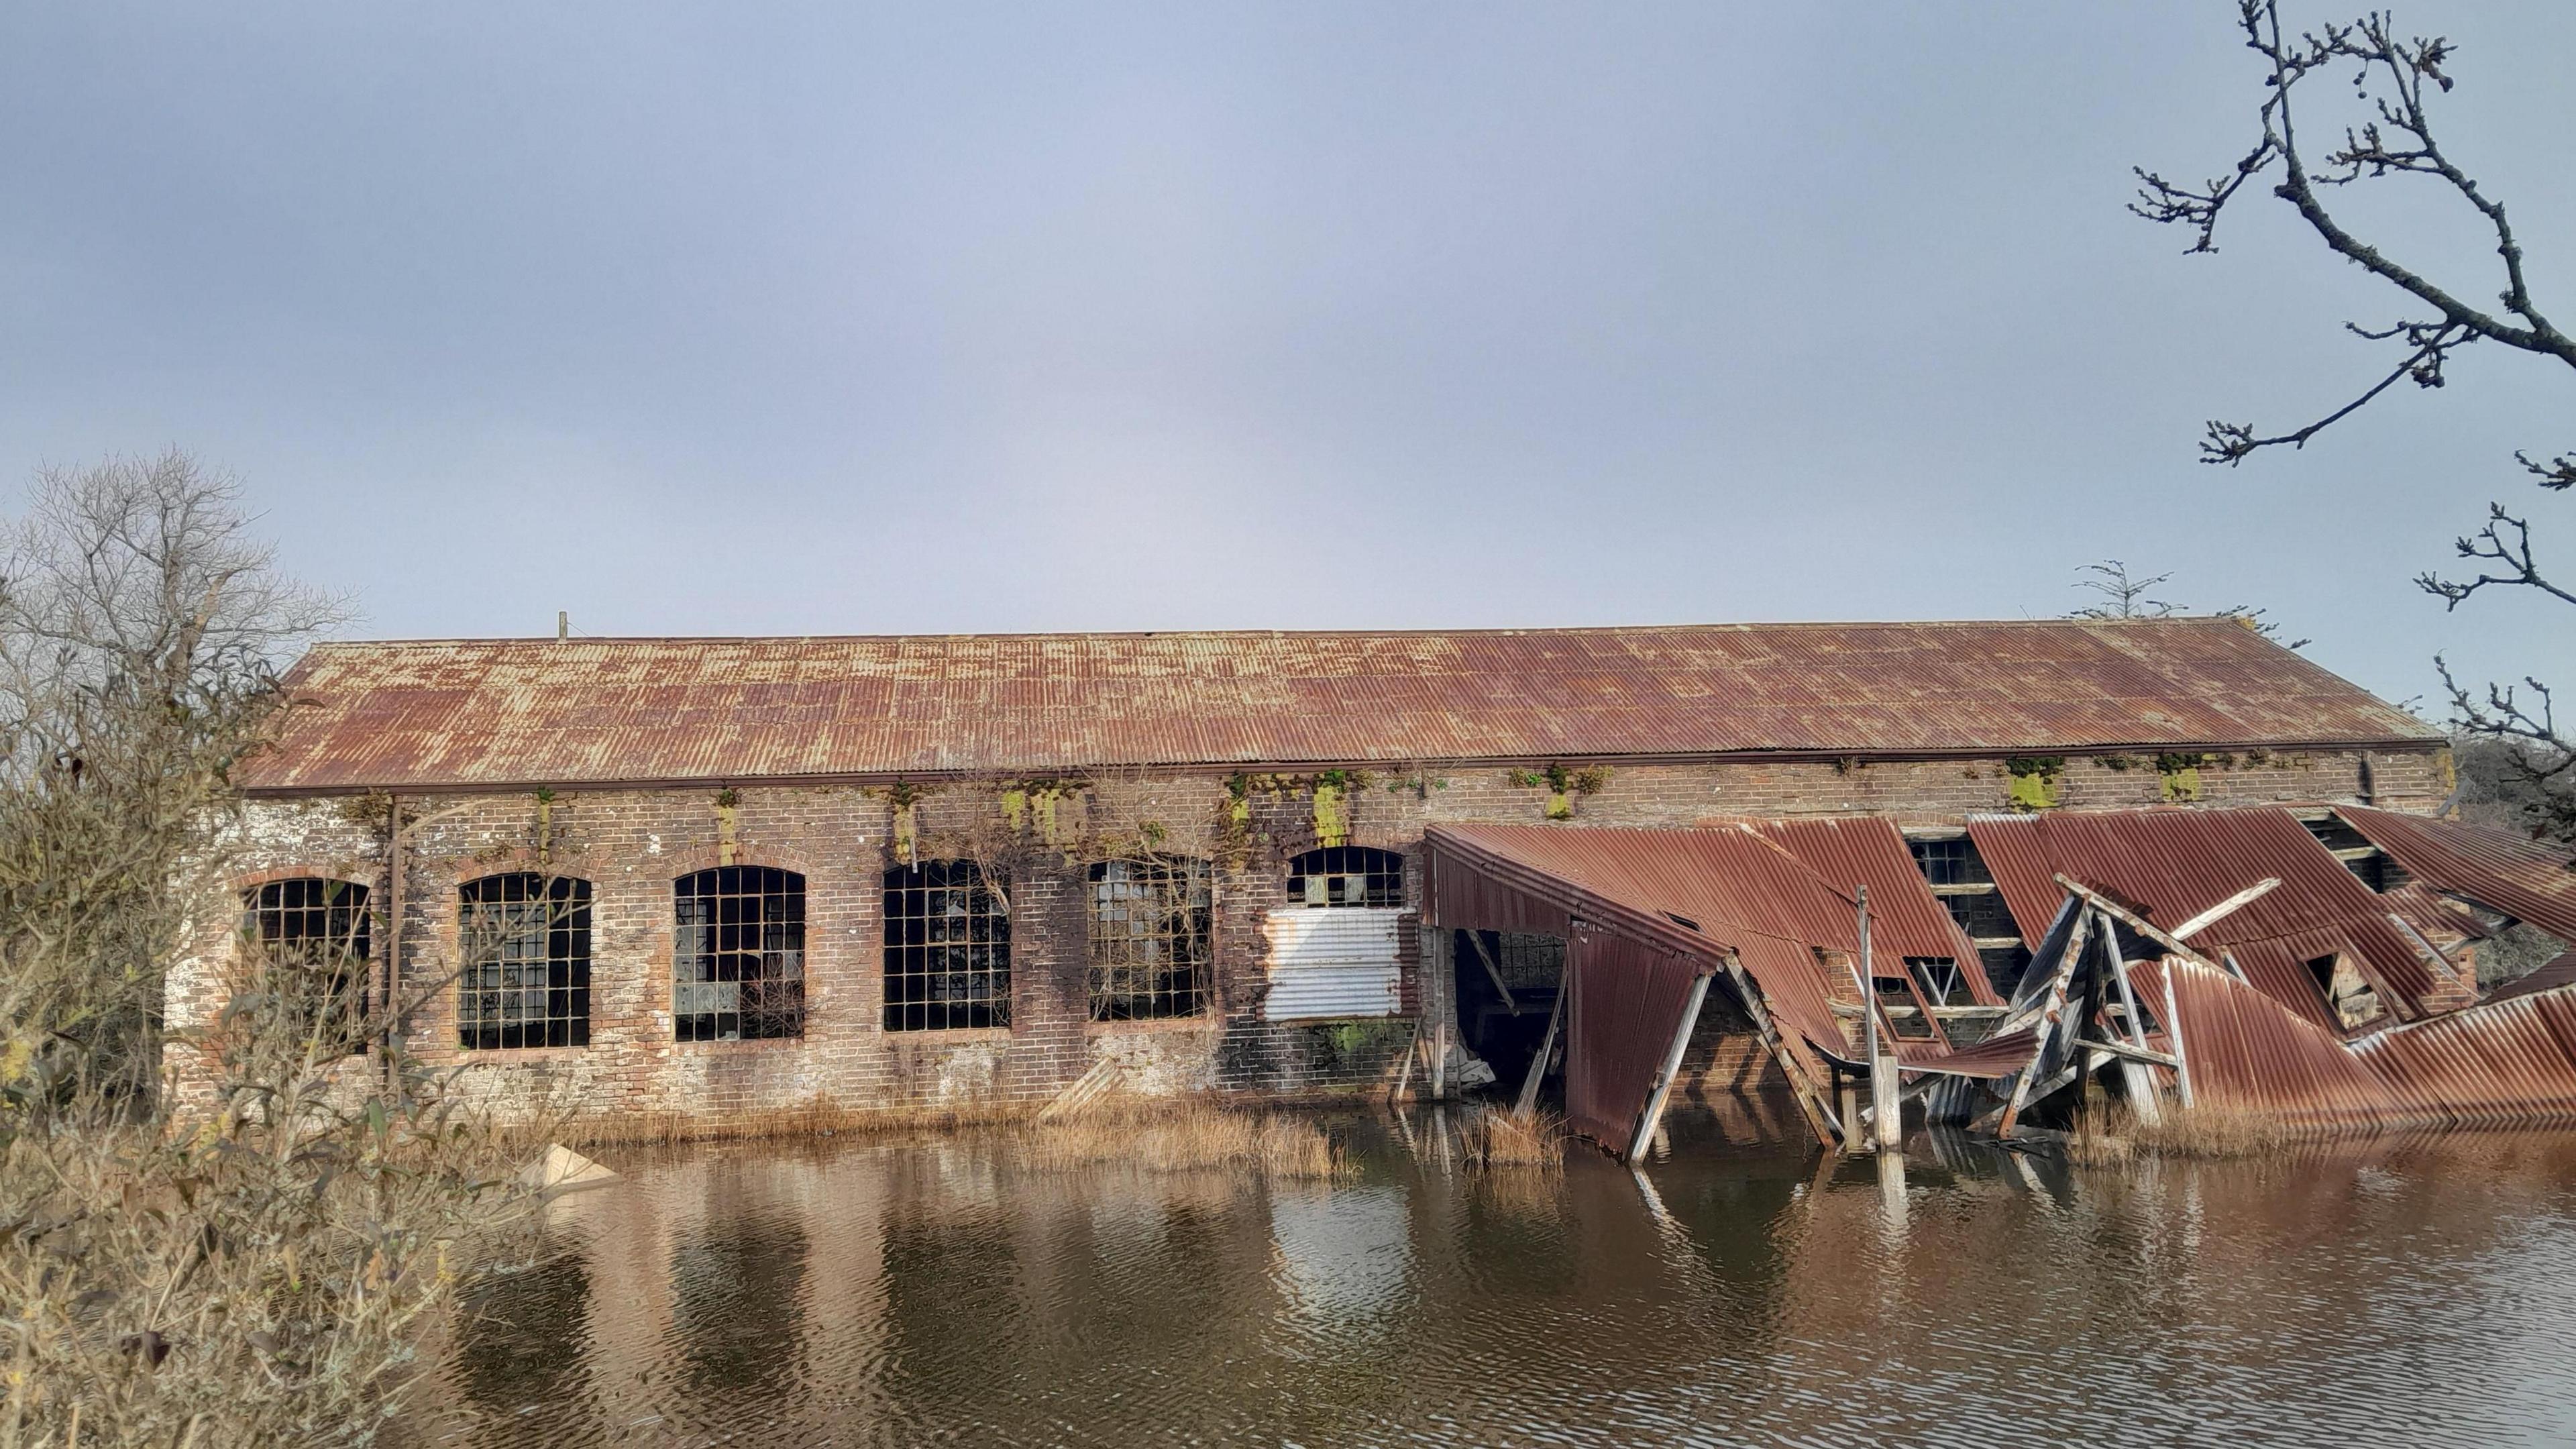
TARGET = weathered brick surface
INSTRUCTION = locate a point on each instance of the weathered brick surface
(631, 845)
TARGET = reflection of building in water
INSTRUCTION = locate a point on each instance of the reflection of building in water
(716, 879)
(1345, 1254)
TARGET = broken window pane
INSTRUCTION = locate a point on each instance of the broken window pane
(1346, 875)
(738, 954)
(947, 949)
(314, 939)
(1152, 923)
(524, 941)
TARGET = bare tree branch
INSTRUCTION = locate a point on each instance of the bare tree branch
(2392, 77)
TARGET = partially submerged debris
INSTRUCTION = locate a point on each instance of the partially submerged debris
(560, 1170)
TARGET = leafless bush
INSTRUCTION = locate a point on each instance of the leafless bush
(257, 1269)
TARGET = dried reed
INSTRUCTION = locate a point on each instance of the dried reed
(1179, 1135)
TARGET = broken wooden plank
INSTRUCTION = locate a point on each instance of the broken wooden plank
(1821, 1120)
(2226, 908)
(1528, 1102)
(1493, 972)
(1654, 1113)
(2136, 1082)
(2051, 1021)
(2134, 921)
(2173, 1036)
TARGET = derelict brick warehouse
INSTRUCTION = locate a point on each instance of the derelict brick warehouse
(722, 877)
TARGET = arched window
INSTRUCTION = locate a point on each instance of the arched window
(316, 939)
(947, 948)
(738, 955)
(1346, 875)
(1152, 924)
(524, 943)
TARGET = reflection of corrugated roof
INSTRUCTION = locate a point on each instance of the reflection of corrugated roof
(2505, 870)
(2171, 864)
(492, 713)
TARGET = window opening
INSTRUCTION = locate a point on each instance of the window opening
(318, 938)
(1949, 860)
(1941, 980)
(738, 956)
(947, 949)
(2005, 966)
(2366, 861)
(525, 943)
(2354, 1001)
(1152, 924)
(1346, 875)
(1903, 1010)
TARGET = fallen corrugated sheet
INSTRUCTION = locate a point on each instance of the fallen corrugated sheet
(1700, 892)
(2250, 1054)
(2169, 864)
(1628, 1000)
(2501, 1063)
(2504, 870)
(518, 713)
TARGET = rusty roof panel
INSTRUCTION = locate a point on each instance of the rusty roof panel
(2248, 1053)
(1906, 919)
(494, 713)
(2170, 864)
(2505, 870)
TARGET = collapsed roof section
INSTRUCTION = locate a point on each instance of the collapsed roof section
(2283, 941)
(2169, 865)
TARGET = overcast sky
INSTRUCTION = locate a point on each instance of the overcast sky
(775, 318)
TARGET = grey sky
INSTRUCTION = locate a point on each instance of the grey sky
(809, 318)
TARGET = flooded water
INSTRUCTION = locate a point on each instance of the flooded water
(938, 1291)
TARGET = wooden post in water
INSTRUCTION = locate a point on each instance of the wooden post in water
(1528, 1102)
(1887, 1109)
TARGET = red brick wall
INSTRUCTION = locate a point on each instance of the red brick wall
(631, 845)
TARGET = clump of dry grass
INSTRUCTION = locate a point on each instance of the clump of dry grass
(1186, 1136)
(2115, 1135)
(1497, 1139)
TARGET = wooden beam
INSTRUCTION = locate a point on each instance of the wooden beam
(2050, 1019)
(1821, 1120)
(1493, 972)
(1528, 1102)
(1654, 1114)
(2173, 1035)
(2226, 908)
(2134, 922)
(2126, 1052)
(2136, 1081)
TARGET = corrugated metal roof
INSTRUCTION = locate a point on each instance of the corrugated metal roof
(1906, 919)
(2557, 972)
(2527, 879)
(2172, 863)
(496, 713)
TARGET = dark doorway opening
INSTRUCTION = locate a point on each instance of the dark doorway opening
(1488, 966)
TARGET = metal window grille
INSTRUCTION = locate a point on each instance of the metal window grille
(524, 940)
(317, 937)
(1346, 875)
(738, 955)
(1949, 860)
(947, 949)
(1152, 927)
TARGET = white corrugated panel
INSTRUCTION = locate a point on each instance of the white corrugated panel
(1335, 963)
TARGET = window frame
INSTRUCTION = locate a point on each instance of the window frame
(1380, 873)
(926, 950)
(565, 957)
(343, 901)
(778, 957)
(1185, 888)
